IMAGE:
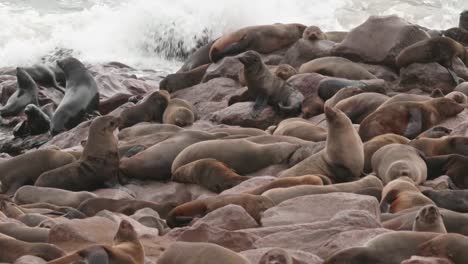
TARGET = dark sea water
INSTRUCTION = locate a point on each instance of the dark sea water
(156, 34)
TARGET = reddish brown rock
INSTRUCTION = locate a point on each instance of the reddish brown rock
(426, 77)
(240, 114)
(230, 217)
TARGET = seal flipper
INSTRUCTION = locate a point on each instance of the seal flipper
(414, 127)
(457, 80)
(95, 255)
(260, 103)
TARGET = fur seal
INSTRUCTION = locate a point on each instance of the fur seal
(264, 39)
(342, 160)
(454, 200)
(59, 197)
(37, 122)
(453, 165)
(435, 132)
(313, 33)
(290, 182)
(26, 168)
(179, 112)
(458, 34)
(44, 75)
(371, 146)
(300, 128)
(200, 57)
(146, 129)
(126, 248)
(197, 253)
(438, 49)
(429, 219)
(209, 173)
(359, 106)
(81, 96)
(93, 206)
(342, 95)
(13, 249)
(402, 194)
(155, 162)
(277, 256)
(408, 119)
(99, 162)
(241, 155)
(337, 67)
(25, 94)
(150, 110)
(181, 80)
(458, 97)
(442, 146)
(266, 88)
(330, 86)
(183, 214)
(279, 195)
(393, 161)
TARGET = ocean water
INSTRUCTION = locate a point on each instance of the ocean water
(157, 34)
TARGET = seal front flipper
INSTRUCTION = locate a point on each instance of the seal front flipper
(414, 127)
(260, 103)
(457, 80)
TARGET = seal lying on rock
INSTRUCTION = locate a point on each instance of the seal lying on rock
(25, 94)
(150, 110)
(429, 219)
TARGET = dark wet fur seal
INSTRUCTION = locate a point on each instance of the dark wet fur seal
(454, 200)
(200, 57)
(38, 122)
(25, 94)
(44, 76)
(457, 34)
(81, 96)
(266, 88)
(454, 165)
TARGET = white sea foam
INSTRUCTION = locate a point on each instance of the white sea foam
(143, 33)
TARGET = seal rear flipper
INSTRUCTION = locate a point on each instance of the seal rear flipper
(414, 127)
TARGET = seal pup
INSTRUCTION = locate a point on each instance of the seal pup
(342, 160)
(408, 119)
(26, 93)
(397, 160)
(209, 173)
(126, 248)
(179, 112)
(359, 106)
(402, 194)
(429, 219)
(24, 169)
(183, 214)
(264, 39)
(150, 110)
(266, 88)
(438, 49)
(81, 96)
(37, 122)
(98, 164)
(198, 252)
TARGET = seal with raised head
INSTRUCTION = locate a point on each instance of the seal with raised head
(183, 214)
(429, 219)
(179, 112)
(438, 49)
(150, 110)
(25, 94)
(408, 119)
(180, 80)
(126, 248)
(99, 162)
(342, 160)
(313, 33)
(26, 168)
(81, 96)
(264, 39)
(209, 173)
(266, 88)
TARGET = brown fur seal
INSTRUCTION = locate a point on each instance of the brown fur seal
(402, 194)
(453, 165)
(408, 119)
(342, 95)
(25, 94)
(285, 71)
(404, 97)
(93, 206)
(151, 109)
(13, 249)
(197, 253)
(397, 160)
(442, 146)
(155, 162)
(454, 200)
(179, 112)
(438, 49)
(146, 129)
(99, 162)
(277, 256)
(458, 34)
(241, 155)
(37, 122)
(180, 80)
(291, 181)
(337, 67)
(81, 96)
(26, 168)
(313, 33)
(282, 194)
(449, 246)
(429, 219)
(435, 132)
(266, 88)
(127, 249)
(209, 173)
(359, 106)
(264, 39)
(458, 97)
(185, 213)
(342, 160)
(371, 146)
(300, 128)
(59, 197)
